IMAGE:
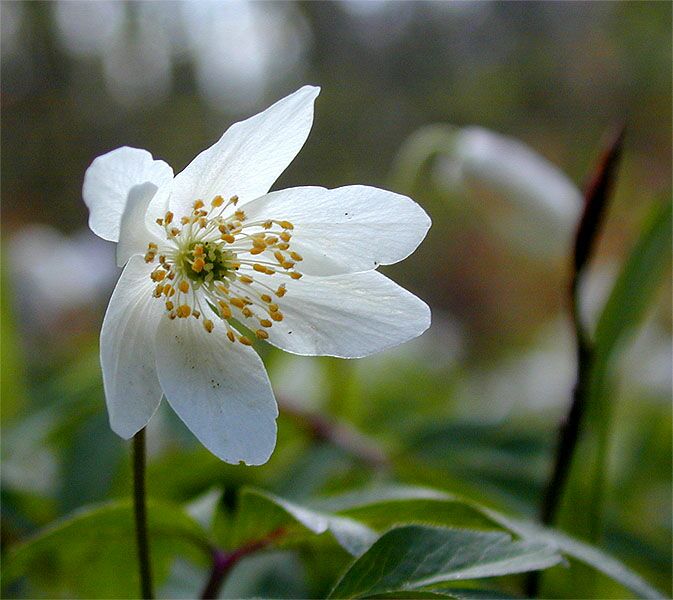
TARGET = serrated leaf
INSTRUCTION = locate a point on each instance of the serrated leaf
(91, 553)
(261, 513)
(414, 557)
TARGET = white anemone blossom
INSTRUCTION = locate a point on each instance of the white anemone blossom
(211, 249)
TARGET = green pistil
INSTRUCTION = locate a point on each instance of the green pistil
(218, 262)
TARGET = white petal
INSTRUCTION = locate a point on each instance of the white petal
(348, 316)
(345, 230)
(250, 155)
(132, 390)
(133, 233)
(109, 179)
(219, 389)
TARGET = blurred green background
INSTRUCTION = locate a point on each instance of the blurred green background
(473, 405)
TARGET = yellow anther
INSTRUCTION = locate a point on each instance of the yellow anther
(217, 201)
(162, 259)
(158, 275)
(255, 250)
(240, 215)
(152, 246)
(265, 323)
(283, 246)
(279, 256)
(160, 222)
(234, 200)
(172, 316)
(285, 236)
(198, 204)
(175, 231)
(168, 218)
(183, 311)
(263, 269)
(185, 220)
(266, 297)
(227, 237)
(171, 275)
(261, 334)
(280, 292)
(246, 279)
(149, 257)
(183, 286)
(157, 291)
(277, 316)
(295, 275)
(169, 305)
(288, 264)
(238, 302)
(245, 341)
(230, 335)
(203, 222)
(169, 290)
(259, 243)
(225, 311)
(246, 312)
(297, 257)
(273, 307)
(196, 314)
(198, 250)
(198, 264)
(286, 224)
(267, 224)
(208, 325)
(271, 240)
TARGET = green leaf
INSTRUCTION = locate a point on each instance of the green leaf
(414, 557)
(455, 593)
(637, 283)
(590, 555)
(625, 308)
(261, 513)
(385, 505)
(91, 554)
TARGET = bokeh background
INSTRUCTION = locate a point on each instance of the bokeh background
(473, 405)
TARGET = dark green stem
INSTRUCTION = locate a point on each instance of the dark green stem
(140, 509)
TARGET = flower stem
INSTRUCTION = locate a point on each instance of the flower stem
(140, 509)
(223, 562)
(597, 195)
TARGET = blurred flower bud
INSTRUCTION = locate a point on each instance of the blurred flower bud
(539, 205)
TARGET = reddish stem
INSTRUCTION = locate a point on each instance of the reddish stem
(223, 562)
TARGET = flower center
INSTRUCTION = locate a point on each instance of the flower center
(212, 264)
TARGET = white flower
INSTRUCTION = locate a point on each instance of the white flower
(296, 267)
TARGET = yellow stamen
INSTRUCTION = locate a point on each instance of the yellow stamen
(198, 265)
(208, 325)
(261, 334)
(183, 286)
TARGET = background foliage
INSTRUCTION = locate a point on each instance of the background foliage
(470, 409)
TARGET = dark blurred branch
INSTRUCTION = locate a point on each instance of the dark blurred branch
(223, 562)
(597, 195)
(342, 436)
